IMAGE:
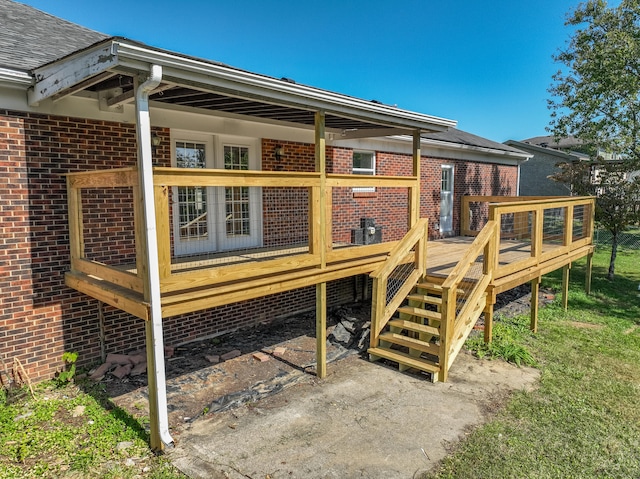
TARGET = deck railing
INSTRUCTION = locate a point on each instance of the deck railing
(325, 246)
(464, 294)
(397, 276)
(540, 228)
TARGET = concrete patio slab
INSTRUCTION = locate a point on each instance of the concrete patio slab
(363, 420)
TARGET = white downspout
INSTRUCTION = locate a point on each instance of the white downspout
(145, 165)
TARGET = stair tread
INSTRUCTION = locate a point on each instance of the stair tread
(436, 288)
(423, 298)
(423, 313)
(403, 358)
(411, 326)
(412, 343)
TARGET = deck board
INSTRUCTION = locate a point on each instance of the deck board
(442, 257)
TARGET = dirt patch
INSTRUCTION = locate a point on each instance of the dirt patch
(581, 325)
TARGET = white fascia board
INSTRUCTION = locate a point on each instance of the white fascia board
(473, 153)
(15, 79)
(245, 84)
(541, 149)
(58, 76)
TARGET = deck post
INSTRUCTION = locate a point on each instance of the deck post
(488, 319)
(321, 330)
(587, 273)
(565, 286)
(324, 244)
(535, 288)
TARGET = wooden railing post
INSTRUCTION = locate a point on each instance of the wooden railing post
(449, 296)
(76, 234)
(494, 215)
(537, 232)
(161, 194)
(379, 295)
(568, 225)
(465, 216)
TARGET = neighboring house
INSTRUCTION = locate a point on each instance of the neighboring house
(548, 153)
(535, 173)
(67, 105)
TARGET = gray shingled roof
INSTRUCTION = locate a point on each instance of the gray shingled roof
(30, 38)
(454, 135)
(551, 142)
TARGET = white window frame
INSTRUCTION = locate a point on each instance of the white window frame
(364, 171)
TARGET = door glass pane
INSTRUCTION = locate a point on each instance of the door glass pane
(192, 200)
(237, 216)
(446, 200)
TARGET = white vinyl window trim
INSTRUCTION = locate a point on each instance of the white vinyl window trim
(363, 163)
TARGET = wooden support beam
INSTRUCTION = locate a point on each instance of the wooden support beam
(565, 286)
(488, 320)
(321, 330)
(535, 288)
(588, 272)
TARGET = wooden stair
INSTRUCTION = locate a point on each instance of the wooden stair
(412, 338)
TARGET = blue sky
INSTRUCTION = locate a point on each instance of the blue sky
(486, 64)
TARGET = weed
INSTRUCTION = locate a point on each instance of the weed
(65, 376)
(507, 344)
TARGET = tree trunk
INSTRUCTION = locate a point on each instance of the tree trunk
(614, 252)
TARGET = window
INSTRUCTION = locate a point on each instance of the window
(364, 163)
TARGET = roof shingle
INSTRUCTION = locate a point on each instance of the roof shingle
(30, 38)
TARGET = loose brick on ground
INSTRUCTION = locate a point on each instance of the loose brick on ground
(231, 354)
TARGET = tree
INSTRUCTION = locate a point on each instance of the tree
(596, 98)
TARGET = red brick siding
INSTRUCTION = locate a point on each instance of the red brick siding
(40, 317)
(469, 179)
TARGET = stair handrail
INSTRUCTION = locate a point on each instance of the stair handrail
(484, 243)
(401, 253)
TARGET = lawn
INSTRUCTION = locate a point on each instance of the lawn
(73, 432)
(583, 421)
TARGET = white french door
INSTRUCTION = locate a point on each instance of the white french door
(238, 206)
(446, 199)
(210, 219)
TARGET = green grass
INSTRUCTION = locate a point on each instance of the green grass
(583, 420)
(66, 432)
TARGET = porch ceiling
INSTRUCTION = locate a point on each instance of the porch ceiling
(109, 68)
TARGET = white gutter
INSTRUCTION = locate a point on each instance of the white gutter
(15, 78)
(145, 166)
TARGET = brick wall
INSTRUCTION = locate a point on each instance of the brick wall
(40, 317)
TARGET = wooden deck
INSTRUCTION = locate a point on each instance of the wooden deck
(443, 255)
(438, 288)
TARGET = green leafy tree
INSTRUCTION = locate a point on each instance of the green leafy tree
(596, 98)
